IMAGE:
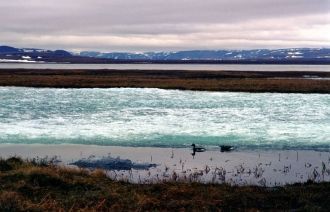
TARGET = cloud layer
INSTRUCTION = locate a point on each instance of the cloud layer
(156, 25)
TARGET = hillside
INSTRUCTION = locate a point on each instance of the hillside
(257, 56)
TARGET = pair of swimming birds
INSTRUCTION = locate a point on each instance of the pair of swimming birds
(223, 148)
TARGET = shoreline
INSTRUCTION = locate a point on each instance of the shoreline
(233, 81)
(42, 185)
(239, 168)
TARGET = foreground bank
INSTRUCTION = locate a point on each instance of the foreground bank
(150, 165)
(238, 81)
(36, 185)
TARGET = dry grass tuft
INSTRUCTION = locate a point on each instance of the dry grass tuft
(25, 185)
(98, 173)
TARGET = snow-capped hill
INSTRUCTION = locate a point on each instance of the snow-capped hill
(257, 54)
(11, 54)
(292, 55)
(9, 50)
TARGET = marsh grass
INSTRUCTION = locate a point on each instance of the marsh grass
(236, 81)
(41, 185)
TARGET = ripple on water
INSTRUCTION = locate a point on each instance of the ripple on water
(155, 117)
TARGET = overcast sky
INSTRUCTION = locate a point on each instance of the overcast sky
(164, 25)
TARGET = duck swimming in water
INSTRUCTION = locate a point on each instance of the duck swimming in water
(197, 149)
(226, 148)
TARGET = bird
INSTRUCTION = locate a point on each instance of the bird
(226, 148)
(197, 149)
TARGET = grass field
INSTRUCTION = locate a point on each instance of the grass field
(240, 81)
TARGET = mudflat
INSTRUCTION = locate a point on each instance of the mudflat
(239, 81)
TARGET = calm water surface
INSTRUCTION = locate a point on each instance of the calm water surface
(211, 67)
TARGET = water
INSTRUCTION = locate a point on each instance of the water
(209, 67)
(164, 118)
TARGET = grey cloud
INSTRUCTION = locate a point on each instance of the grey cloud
(158, 25)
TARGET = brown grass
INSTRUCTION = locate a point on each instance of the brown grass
(289, 82)
(32, 186)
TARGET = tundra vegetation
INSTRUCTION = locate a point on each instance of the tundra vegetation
(39, 184)
(237, 81)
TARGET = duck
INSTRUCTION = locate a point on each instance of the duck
(226, 148)
(197, 149)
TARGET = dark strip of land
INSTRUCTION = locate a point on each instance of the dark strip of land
(238, 81)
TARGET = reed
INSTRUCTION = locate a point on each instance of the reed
(42, 185)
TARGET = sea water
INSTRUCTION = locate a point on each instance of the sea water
(164, 118)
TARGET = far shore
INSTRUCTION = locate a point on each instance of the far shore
(235, 81)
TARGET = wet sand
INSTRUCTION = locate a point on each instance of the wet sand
(263, 168)
(240, 81)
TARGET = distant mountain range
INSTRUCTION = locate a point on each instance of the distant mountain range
(278, 54)
(11, 54)
(293, 55)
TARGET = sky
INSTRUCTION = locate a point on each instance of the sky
(164, 25)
